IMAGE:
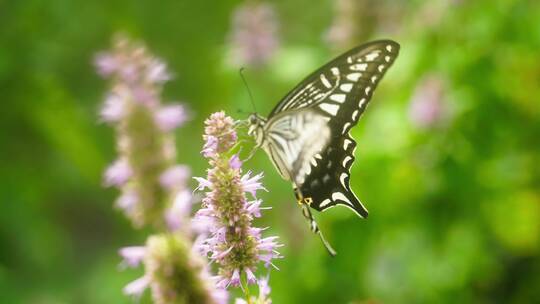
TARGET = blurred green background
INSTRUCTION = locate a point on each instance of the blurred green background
(454, 197)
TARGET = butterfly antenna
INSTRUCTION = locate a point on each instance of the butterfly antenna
(247, 87)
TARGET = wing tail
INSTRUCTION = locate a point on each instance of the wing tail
(354, 204)
(341, 197)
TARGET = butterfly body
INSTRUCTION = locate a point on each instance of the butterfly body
(307, 135)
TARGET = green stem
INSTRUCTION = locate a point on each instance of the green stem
(245, 288)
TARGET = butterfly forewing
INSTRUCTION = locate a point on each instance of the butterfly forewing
(353, 74)
(339, 92)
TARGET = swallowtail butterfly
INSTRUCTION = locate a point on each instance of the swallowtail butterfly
(307, 135)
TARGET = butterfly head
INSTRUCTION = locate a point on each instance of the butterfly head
(256, 127)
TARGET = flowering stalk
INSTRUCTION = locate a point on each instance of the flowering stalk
(427, 107)
(145, 171)
(254, 36)
(154, 189)
(356, 21)
(345, 27)
(174, 273)
(233, 243)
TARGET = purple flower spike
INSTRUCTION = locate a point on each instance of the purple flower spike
(146, 172)
(172, 271)
(427, 107)
(153, 187)
(254, 36)
(232, 242)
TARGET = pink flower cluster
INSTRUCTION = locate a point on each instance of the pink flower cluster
(227, 214)
(428, 106)
(138, 78)
(145, 171)
(173, 271)
(254, 37)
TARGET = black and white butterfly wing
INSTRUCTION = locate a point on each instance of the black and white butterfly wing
(293, 139)
(337, 94)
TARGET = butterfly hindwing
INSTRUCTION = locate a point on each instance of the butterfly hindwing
(340, 92)
(328, 185)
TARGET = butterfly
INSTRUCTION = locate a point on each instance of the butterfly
(307, 134)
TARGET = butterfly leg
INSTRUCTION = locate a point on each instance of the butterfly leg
(304, 202)
(251, 154)
(240, 123)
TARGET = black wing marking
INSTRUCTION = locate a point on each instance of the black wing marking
(350, 74)
(340, 90)
(328, 184)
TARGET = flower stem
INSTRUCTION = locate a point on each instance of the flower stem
(245, 288)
